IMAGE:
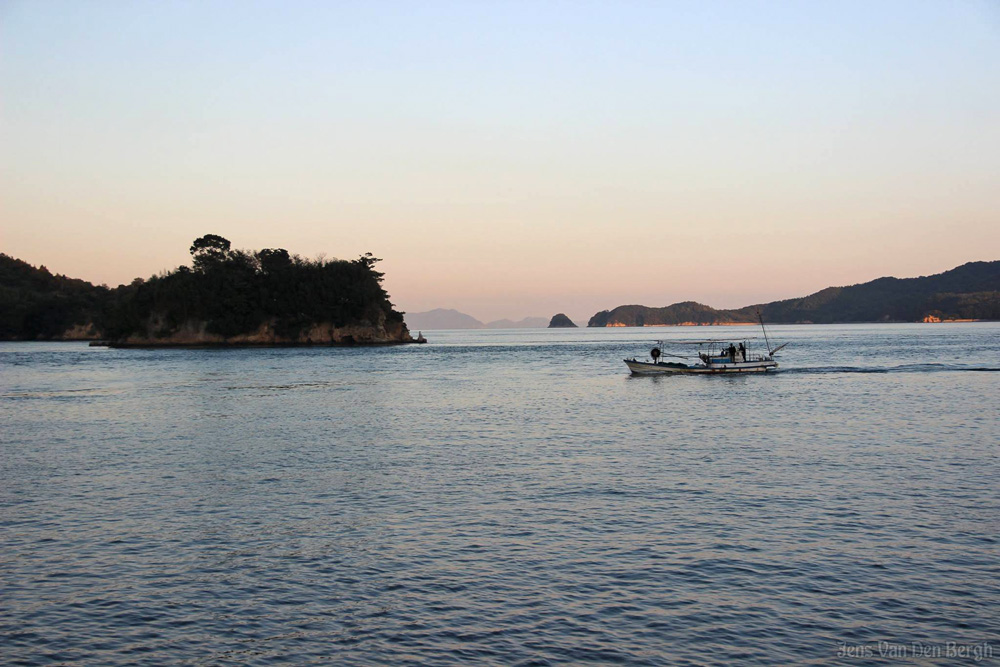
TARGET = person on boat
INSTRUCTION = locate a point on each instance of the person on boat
(732, 352)
(743, 352)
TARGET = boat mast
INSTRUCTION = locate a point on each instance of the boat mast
(766, 341)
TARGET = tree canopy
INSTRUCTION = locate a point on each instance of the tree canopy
(235, 291)
(232, 291)
(209, 250)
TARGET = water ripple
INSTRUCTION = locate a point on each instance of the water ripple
(498, 498)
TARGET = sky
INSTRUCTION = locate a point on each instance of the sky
(508, 159)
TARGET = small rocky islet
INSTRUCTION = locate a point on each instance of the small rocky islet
(560, 321)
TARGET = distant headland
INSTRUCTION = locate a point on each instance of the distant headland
(966, 293)
(227, 297)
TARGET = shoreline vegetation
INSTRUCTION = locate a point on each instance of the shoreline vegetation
(226, 298)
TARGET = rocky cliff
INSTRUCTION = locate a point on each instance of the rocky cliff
(197, 334)
(87, 331)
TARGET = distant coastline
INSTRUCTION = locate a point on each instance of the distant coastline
(743, 324)
(967, 293)
(270, 298)
(687, 324)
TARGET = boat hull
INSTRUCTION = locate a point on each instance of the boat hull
(649, 368)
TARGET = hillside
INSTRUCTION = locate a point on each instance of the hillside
(38, 305)
(970, 291)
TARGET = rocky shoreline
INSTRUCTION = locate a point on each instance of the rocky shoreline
(196, 335)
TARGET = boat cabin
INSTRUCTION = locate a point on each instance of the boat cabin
(719, 352)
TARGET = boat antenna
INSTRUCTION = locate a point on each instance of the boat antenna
(766, 341)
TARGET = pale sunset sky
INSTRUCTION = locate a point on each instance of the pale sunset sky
(508, 159)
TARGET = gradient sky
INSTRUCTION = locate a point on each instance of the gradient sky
(508, 158)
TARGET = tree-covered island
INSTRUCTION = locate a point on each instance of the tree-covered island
(226, 297)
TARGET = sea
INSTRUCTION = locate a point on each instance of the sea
(508, 497)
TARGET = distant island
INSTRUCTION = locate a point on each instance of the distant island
(227, 297)
(560, 321)
(446, 318)
(968, 292)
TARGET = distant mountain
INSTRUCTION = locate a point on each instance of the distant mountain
(446, 318)
(560, 321)
(526, 323)
(442, 318)
(970, 291)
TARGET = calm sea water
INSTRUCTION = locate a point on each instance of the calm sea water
(508, 497)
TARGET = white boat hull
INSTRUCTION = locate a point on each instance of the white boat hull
(661, 368)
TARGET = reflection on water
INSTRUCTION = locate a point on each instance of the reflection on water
(499, 496)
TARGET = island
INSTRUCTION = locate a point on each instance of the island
(560, 321)
(227, 297)
(966, 293)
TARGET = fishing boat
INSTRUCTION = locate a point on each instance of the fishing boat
(714, 356)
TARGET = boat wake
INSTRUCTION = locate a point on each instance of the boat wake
(905, 368)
